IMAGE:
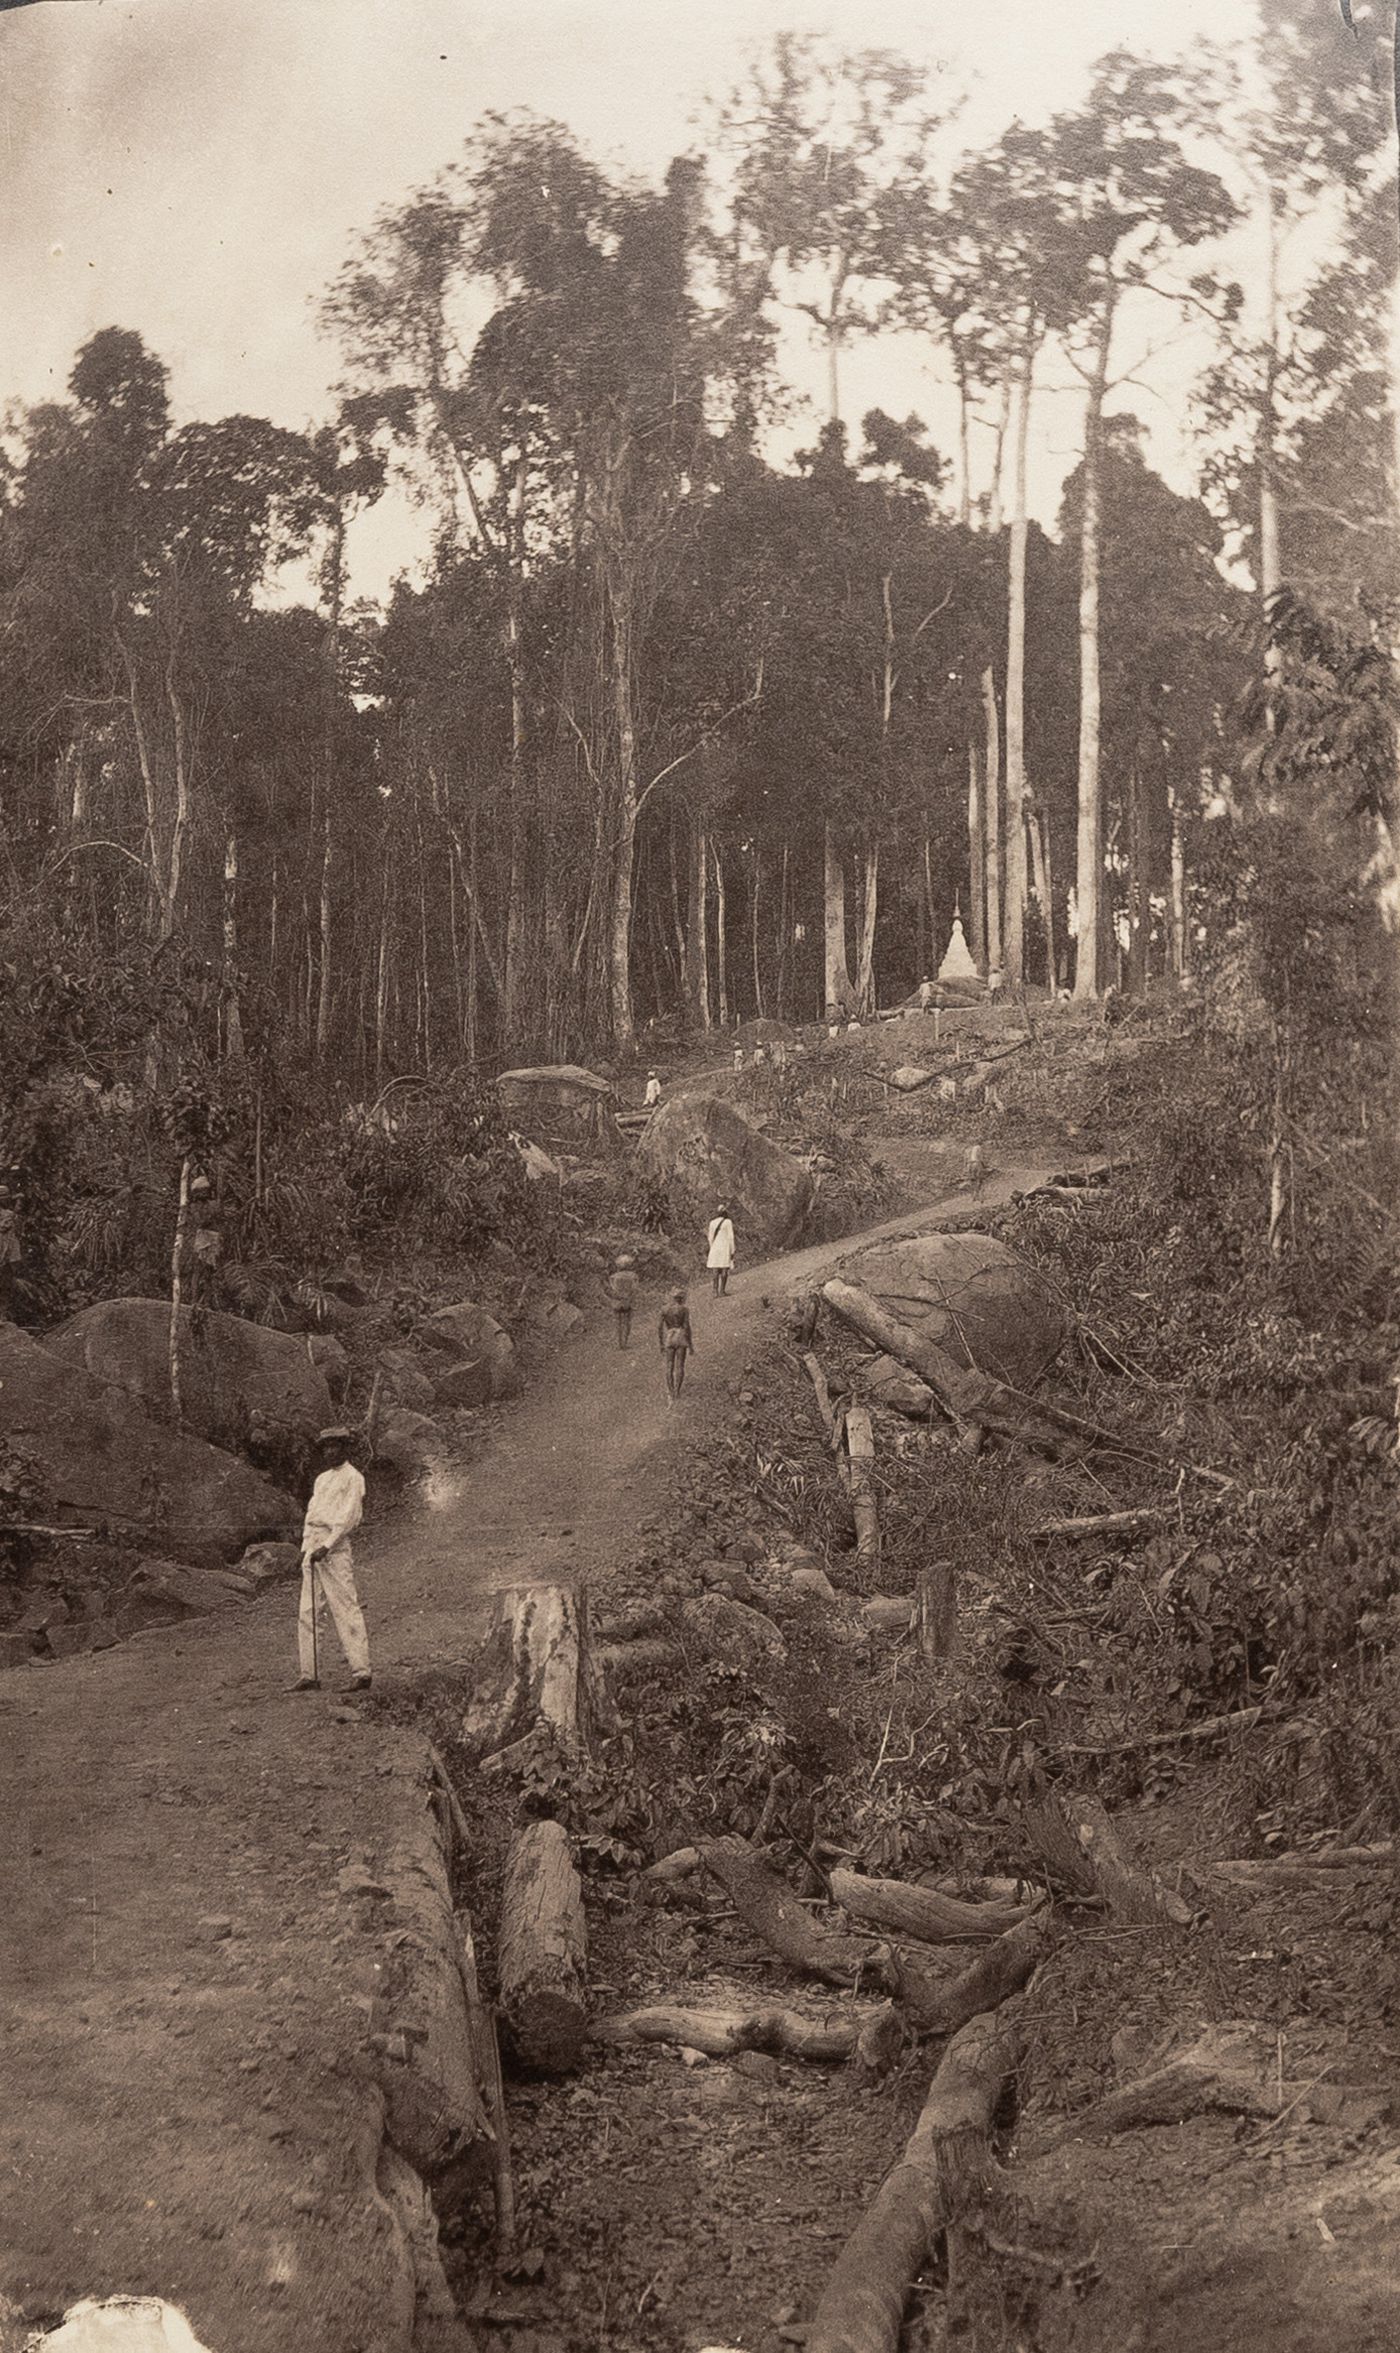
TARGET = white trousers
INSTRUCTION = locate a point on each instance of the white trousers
(335, 1582)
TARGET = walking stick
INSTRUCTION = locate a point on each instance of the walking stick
(315, 1652)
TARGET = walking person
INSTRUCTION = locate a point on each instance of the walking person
(720, 1261)
(328, 1564)
(677, 1342)
(653, 1094)
(621, 1288)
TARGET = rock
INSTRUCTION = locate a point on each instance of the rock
(48, 1609)
(16, 1649)
(405, 1381)
(732, 1632)
(237, 1380)
(407, 1442)
(332, 1361)
(554, 1318)
(760, 2065)
(466, 1385)
(886, 1382)
(811, 1577)
(103, 1460)
(270, 1564)
(468, 1331)
(702, 1151)
(68, 1642)
(215, 1925)
(909, 1076)
(162, 1592)
(971, 1296)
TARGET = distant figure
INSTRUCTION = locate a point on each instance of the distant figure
(720, 1261)
(996, 981)
(852, 1024)
(676, 1341)
(738, 1058)
(622, 1291)
(653, 1094)
(974, 1168)
(759, 1057)
(833, 1028)
(925, 995)
(327, 1562)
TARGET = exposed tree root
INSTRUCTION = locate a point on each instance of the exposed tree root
(722, 2033)
(938, 2004)
(1075, 1840)
(772, 1911)
(943, 2170)
(921, 1911)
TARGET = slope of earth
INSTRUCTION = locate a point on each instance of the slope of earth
(187, 2112)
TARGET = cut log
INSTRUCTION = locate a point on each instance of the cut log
(721, 2033)
(543, 1951)
(921, 1911)
(768, 1906)
(1074, 1839)
(482, 2020)
(938, 2004)
(619, 1660)
(943, 2170)
(1104, 1523)
(858, 1436)
(537, 1666)
(935, 1617)
(677, 1865)
(421, 2030)
(889, 1612)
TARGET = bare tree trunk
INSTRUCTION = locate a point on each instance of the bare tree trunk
(1180, 951)
(757, 963)
(1280, 1153)
(233, 1016)
(176, 861)
(1039, 826)
(697, 930)
(976, 861)
(381, 988)
(1013, 935)
(869, 909)
(620, 932)
(992, 819)
(324, 994)
(964, 451)
(994, 506)
(1139, 914)
(514, 952)
(784, 932)
(721, 943)
(837, 973)
(177, 1280)
(1088, 882)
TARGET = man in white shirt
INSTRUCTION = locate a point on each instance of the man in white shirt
(653, 1094)
(328, 1564)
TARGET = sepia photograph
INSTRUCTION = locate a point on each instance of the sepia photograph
(699, 1176)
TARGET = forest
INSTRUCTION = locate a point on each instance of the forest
(675, 730)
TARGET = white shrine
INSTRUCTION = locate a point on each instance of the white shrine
(957, 959)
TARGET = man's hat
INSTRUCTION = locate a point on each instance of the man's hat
(336, 1437)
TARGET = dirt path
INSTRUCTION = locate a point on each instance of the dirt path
(187, 1987)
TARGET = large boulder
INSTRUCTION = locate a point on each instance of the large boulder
(102, 1460)
(971, 1296)
(469, 1335)
(703, 1151)
(238, 1381)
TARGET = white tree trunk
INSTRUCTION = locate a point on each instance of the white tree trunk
(1088, 876)
(1013, 936)
(838, 978)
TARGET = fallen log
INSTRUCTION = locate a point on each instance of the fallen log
(890, 1612)
(921, 1911)
(542, 1950)
(939, 2004)
(1296, 1870)
(944, 2168)
(537, 1666)
(481, 2019)
(975, 1402)
(768, 1906)
(1076, 1842)
(1242, 1720)
(1104, 1523)
(722, 2033)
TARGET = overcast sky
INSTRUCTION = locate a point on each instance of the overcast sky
(199, 169)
